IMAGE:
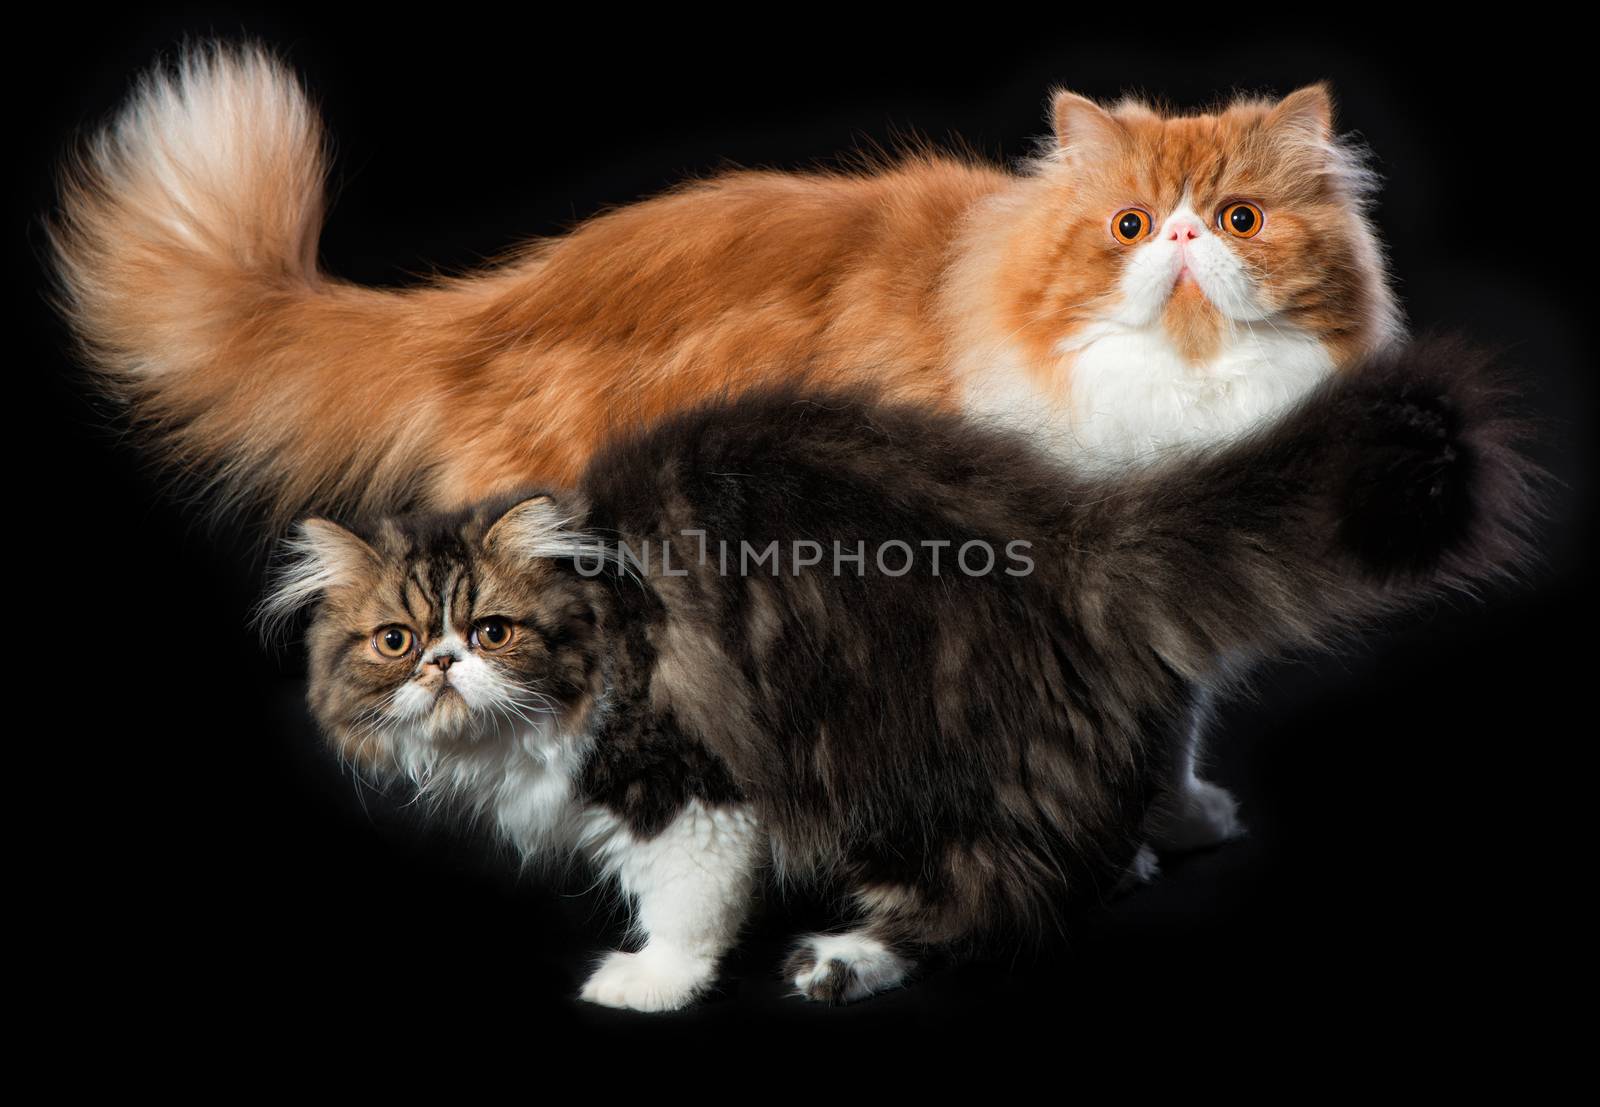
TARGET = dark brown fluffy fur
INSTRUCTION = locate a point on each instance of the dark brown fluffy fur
(962, 757)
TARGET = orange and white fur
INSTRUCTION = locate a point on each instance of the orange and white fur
(1148, 280)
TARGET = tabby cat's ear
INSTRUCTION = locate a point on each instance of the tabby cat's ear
(1305, 114)
(342, 556)
(319, 555)
(532, 528)
(1083, 127)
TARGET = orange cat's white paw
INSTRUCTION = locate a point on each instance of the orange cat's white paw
(650, 980)
(1208, 815)
(1143, 869)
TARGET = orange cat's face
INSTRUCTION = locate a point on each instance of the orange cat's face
(1225, 253)
(1202, 221)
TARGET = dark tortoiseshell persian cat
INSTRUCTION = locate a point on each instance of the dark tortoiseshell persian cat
(881, 649)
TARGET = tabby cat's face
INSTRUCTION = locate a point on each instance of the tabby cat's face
(437, 632)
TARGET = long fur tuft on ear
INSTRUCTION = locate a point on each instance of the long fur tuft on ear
(541, 527)
(319, 555)
(1305, 115)
(1301, 128)
(1083, 128)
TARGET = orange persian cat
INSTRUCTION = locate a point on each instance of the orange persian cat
(1148, 280)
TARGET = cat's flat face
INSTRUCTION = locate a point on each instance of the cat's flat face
(1196, 223)
(1173, 278)
(436, 632)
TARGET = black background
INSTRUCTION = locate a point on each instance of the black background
(1416, 806)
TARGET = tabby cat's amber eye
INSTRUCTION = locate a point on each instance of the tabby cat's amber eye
(1130, 225)
(393, 641)
(1241, 220)
(492, 634)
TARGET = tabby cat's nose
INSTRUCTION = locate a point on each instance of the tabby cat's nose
(444, 660)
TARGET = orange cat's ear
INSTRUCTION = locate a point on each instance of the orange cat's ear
(1083, 127)
(1305, 114)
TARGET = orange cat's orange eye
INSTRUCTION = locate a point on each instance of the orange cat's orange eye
(393, 641)
(492, 634)
(1130, 225)
(1241, 220)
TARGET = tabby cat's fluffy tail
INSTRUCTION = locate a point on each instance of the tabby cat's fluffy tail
(185, 254)
(1401, 476)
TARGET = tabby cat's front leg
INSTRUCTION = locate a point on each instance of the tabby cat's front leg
(690, 886)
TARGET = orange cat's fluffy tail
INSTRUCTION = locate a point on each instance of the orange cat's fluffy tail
(185, 252)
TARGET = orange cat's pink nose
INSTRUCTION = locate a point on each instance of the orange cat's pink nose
(1182, 228)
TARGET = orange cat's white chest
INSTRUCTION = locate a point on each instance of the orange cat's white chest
(1117, 394)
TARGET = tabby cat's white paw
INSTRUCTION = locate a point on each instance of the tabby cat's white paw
(844, 968)
(650, 980)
